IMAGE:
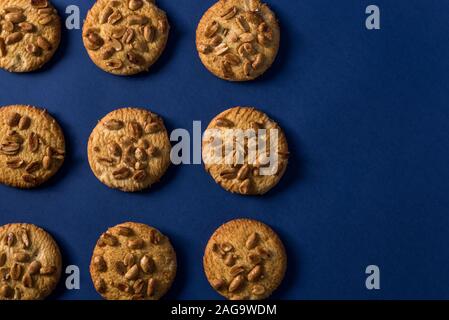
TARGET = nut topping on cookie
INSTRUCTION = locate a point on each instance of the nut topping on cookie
(27, 132)
(23, 28)
(252, 277)
(236, 28)
(140, 270)
(131, 34)
(129, 149)
(21, 262)
(245, 151)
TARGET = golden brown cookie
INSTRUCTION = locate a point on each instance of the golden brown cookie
(233, 151)
(32, 146)
(245, 260)
(125, 37)
(129, 149)
(133, 261)
(30, 262)
(238, 40)
(30, 32)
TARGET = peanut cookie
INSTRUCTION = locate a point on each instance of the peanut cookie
(245, 151)
(238, 40)
(133, 261)
(30, 262)
(129, 149)
(125, 37)
(32, 146)
(30, 32)
(245, 260)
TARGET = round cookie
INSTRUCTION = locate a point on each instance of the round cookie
(30, 32)
(30, 262)
(129, 149)
(238, 40)
(245, 260)
(231, 157)
(32, 146)
(133, 261)
(125, 37)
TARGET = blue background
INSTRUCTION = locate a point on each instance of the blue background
(366, 116)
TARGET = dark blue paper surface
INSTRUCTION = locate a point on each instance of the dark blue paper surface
(367, 119)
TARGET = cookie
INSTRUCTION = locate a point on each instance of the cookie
(30, 262)
(238, 40)
(32, 146)
(129, 149)
(30, 32)
(233, 151)
(133, 261)
(125, 37)
(245, 260)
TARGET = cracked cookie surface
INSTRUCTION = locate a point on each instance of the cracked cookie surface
(129, 149)
(30, 33)
(133, 261)
(245, 260)
(238, 40)
(30, 262)
(32, 146)
(125, 37)
(237, 169)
